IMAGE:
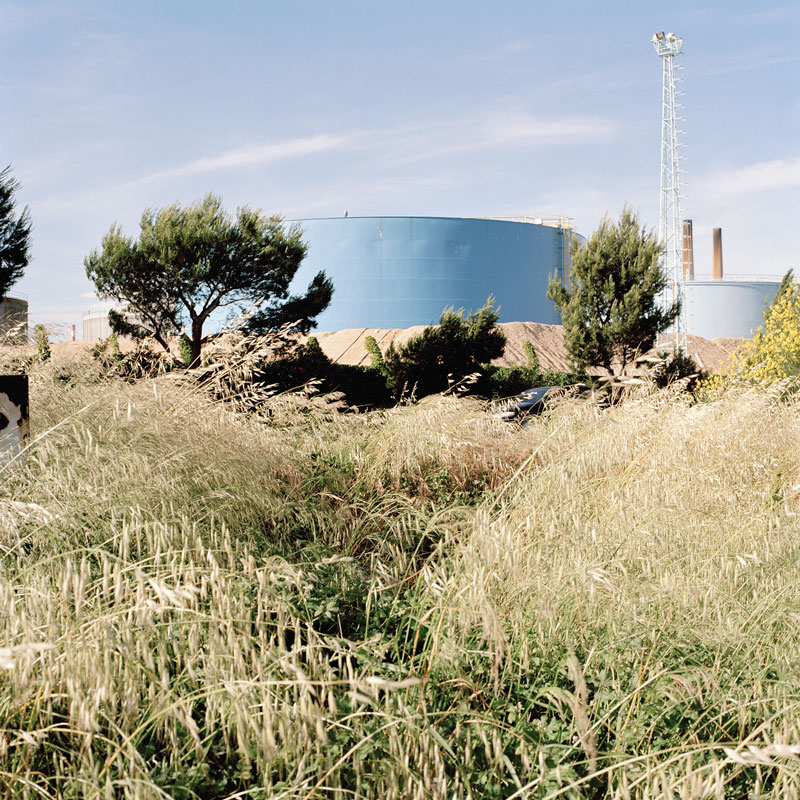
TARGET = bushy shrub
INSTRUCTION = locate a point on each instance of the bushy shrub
(362, 386)
(444, 355)
(375, 355)
(497, 382)
(773, 354)
(141, 362)
(42, 342)
(677, 366)
(184, 349)
(107, 351)
(306, 363)
(531, 356)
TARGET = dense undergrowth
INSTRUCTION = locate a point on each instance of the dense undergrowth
(414, 603)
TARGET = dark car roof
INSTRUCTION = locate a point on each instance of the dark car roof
(536, 394)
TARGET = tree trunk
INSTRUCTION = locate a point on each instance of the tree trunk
(197, 342)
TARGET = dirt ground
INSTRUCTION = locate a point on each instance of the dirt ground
(347, 346)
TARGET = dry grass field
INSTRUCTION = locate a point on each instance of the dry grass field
(415, 603)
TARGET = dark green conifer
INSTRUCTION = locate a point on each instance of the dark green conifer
(610, 306)
(15, 233)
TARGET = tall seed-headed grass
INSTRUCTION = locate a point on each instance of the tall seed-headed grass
(301, 604)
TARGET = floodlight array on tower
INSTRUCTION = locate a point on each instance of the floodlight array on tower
(670, 225)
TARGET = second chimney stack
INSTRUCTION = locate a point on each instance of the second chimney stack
(717, 268)
(688, 251)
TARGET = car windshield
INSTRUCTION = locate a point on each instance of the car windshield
(535, 394)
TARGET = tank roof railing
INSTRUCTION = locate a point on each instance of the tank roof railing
(567, 223)
(737, 278)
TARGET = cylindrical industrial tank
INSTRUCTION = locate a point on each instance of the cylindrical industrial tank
(726, 307)
(395, 272)
(95, 322)
(13, 320)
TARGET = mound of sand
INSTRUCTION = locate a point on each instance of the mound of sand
(348, 347)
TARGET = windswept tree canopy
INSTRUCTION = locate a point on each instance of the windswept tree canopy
(189, 262)
(15, 232)
(611, 308)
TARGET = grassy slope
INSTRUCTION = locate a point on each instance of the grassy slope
(420, 603)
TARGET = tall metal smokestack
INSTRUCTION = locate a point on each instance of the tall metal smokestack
(688, 251)
(717, 268)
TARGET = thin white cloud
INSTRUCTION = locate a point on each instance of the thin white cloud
(529, 129)
(516, 46)
(747, 61)
(487, 131)
(781, 173)
(379, 149)
(772, 16)
(253, 155)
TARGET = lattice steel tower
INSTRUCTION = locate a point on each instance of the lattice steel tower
(670, 225)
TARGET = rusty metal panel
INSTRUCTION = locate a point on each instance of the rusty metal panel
(14, 418)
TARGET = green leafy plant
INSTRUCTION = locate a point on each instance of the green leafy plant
(530, 355)
(444, 355)
(140, 362)
(184, 349)
(307, 363)
(677, 366)
(42, 342)
(375, 354)
(773, 354)
(496, 382)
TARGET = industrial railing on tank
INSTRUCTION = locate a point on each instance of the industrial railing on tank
(568, 223)
(738, 278)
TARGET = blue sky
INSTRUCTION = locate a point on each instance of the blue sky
(422, 108)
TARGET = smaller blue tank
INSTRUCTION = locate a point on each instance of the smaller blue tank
(728, 308)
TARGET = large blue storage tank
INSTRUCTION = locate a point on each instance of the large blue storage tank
(395, 272)
(726, 307)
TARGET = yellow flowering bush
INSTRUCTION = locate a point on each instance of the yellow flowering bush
(773, 354)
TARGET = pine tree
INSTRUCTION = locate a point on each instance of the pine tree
(610, 308)
(15, 233)
(189, 263)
